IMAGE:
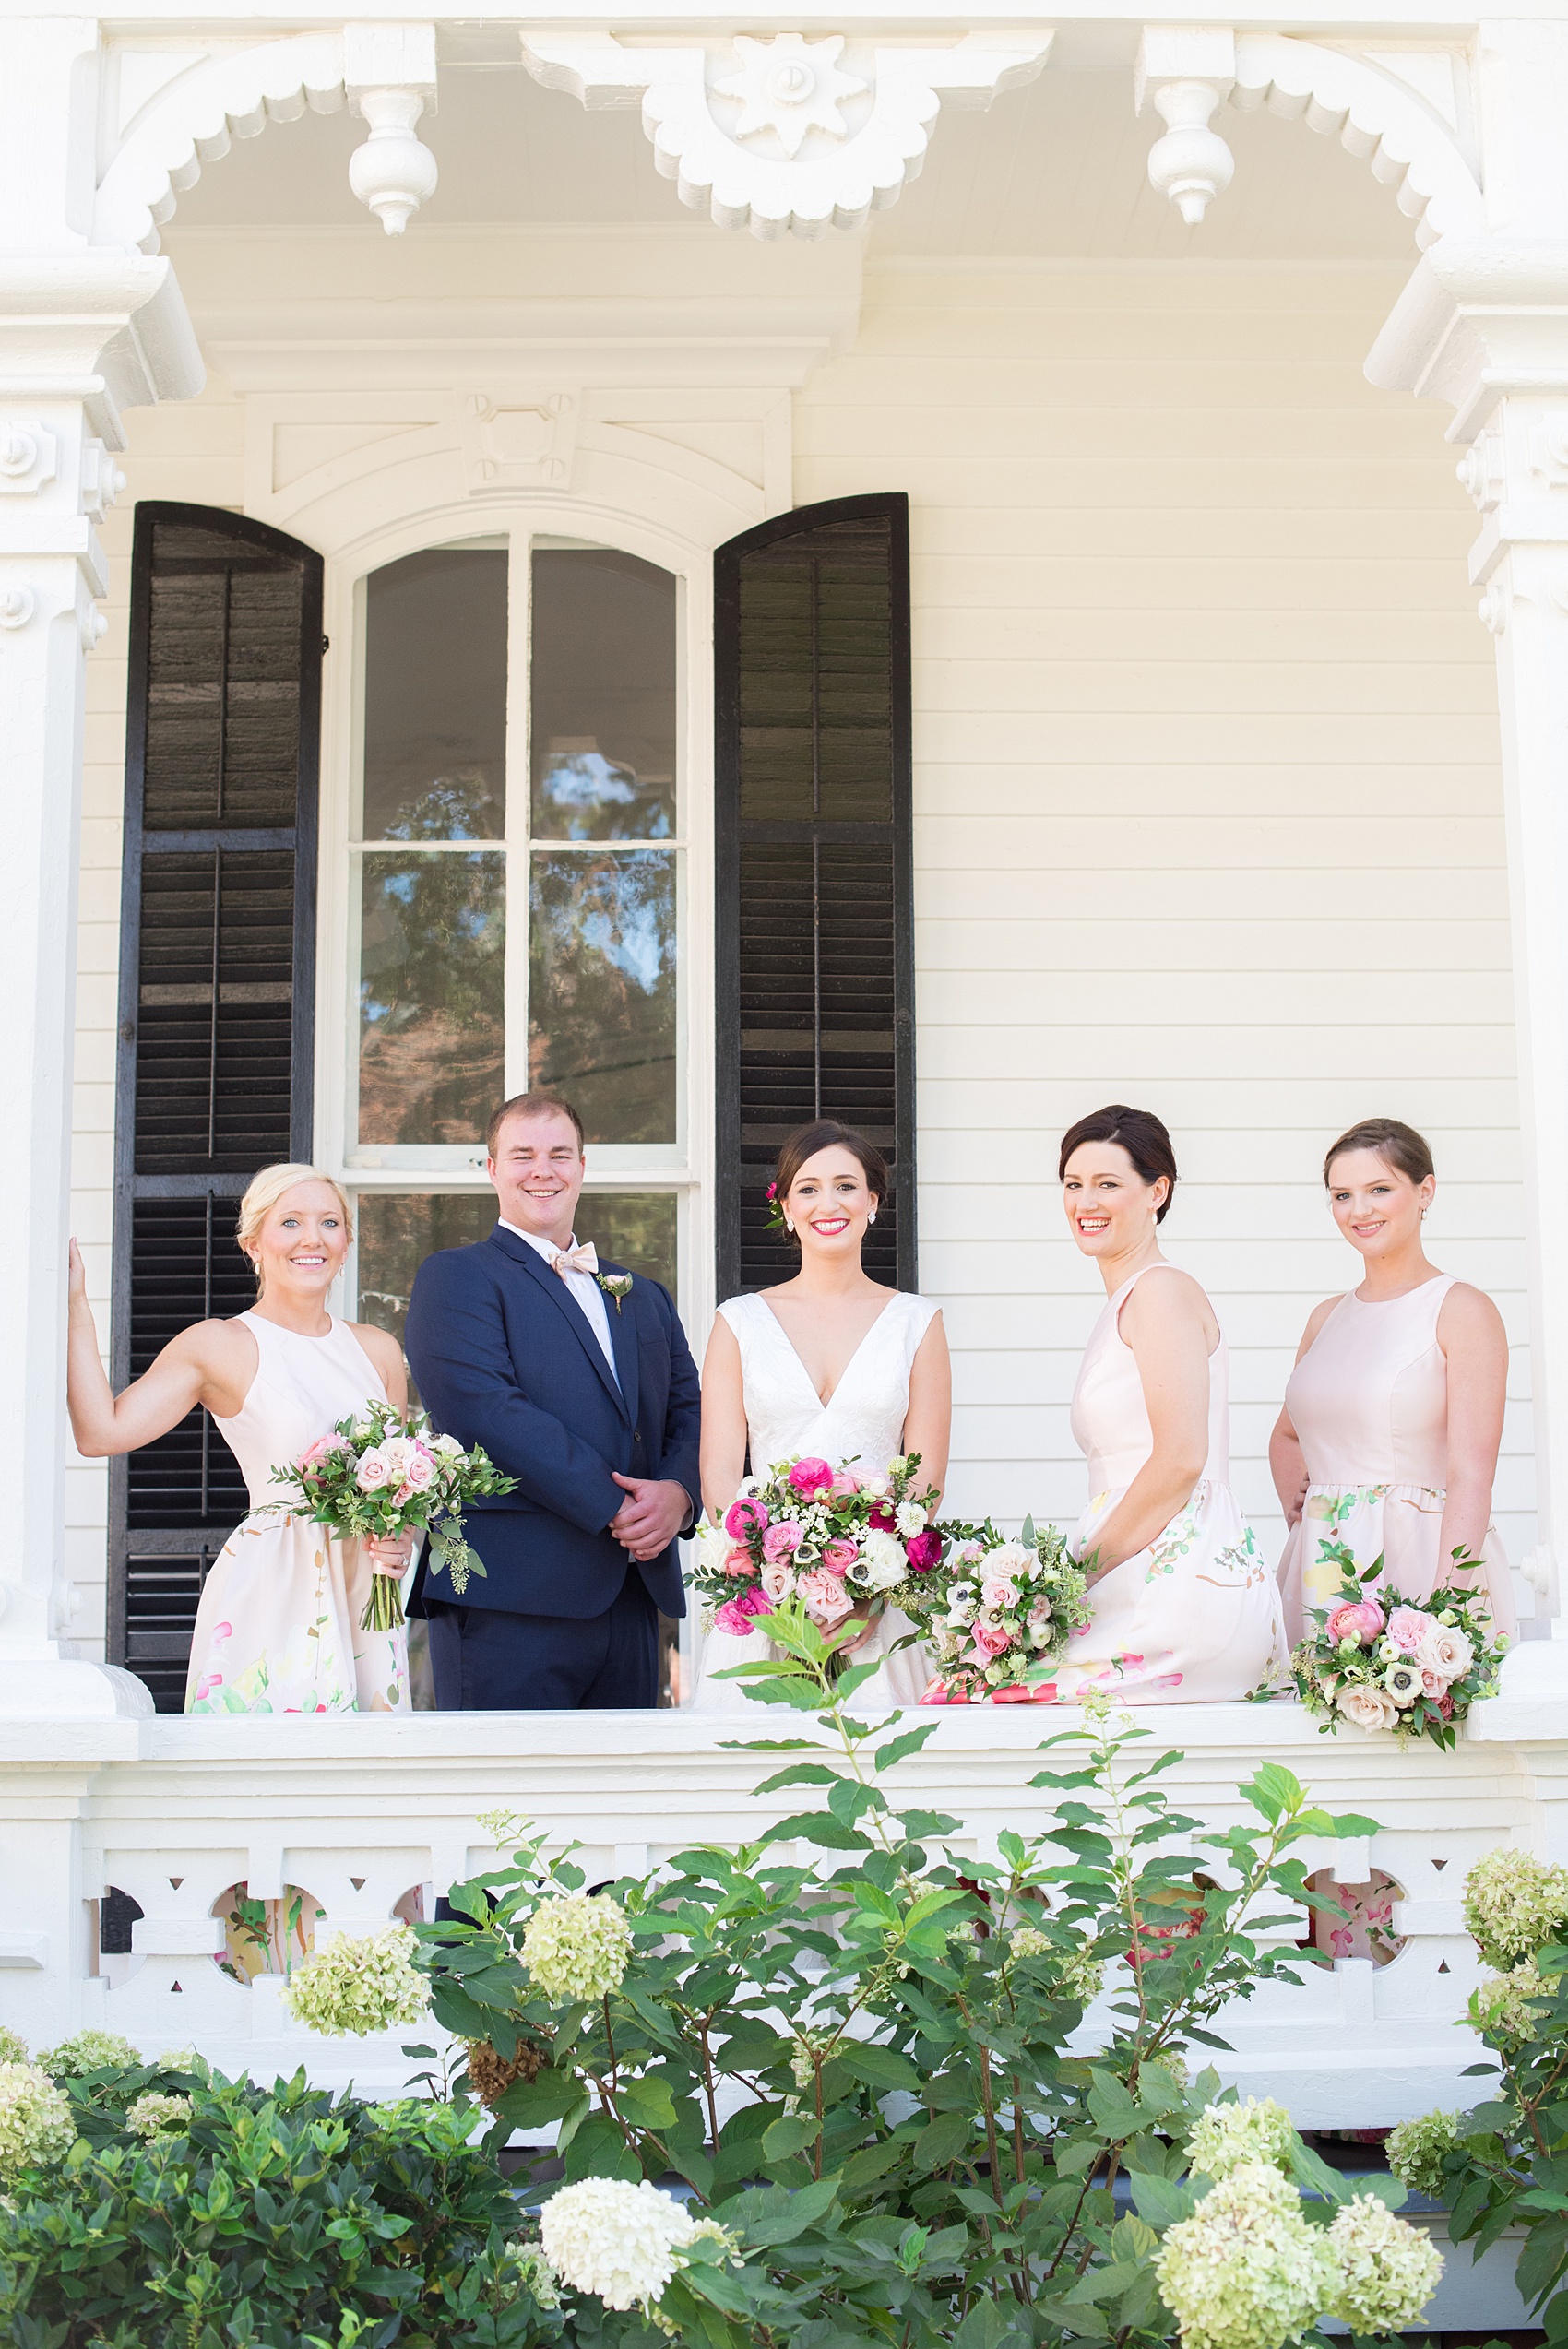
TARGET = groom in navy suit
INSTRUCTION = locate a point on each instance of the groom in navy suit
(577, 1381)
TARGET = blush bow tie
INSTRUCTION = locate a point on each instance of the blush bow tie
(576, 1260)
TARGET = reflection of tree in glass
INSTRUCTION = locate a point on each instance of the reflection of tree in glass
(602, 989)
(431, 999)
(459, 806)
(584, 787)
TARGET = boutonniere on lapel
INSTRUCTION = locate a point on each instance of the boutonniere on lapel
(616, 1285)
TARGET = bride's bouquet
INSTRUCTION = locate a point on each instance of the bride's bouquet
(995, 1612)
(1380, 1664)
(377, 1475)
(831, 1537)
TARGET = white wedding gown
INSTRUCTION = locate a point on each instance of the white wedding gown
(863, 1427)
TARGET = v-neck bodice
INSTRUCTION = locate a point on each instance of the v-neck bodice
(862, 1420)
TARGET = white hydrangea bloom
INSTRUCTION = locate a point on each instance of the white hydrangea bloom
(87, 2051)
(35, 2120)
(1515, 1905)
(150, 2115)
(1416, 2149)
(1245, 2271)
(357, 1985)
(615, 2241)
(1387, 2269)
(1027, 1940)
(1228, 2135)
(1502, 2004)
(13, 2047)
(577, 1946)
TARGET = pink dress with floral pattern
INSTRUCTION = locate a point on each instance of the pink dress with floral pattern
(278, 1628)
(1194, 1618)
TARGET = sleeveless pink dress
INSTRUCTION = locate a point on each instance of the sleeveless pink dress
(278, 1628)
(1369, 1401)
(1194, 1618)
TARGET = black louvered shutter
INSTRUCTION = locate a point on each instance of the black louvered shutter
(815, 896)
(217, 996)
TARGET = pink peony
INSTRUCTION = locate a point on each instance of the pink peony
(840, 1556)
(744, 1518)
(846, 1484)
(778, 1581)
(374, 1471)
(882, 1519)
(1408, 1626)
(924, 1550)
(738, 1562)
(807, 1477)
(827, 1602)
(735, 1615)
(780, 1541)
(1359, 1619)
(990, 1640)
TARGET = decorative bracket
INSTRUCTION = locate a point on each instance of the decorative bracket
(526, 441)
(786, 136)
(1186, 72)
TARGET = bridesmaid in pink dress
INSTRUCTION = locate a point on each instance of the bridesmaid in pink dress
(1393, 1416)
(278, 1628)
(1183, 1609)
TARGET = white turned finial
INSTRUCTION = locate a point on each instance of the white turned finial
(394, 172)
(1191, 164)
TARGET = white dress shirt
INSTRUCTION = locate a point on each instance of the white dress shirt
(586, 1290)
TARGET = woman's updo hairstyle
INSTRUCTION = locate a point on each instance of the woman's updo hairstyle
(1399, 1147)
(827, 1134)
(1140, 1133)
(262, 1195)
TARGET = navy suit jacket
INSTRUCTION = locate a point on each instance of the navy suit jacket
(505, 1357)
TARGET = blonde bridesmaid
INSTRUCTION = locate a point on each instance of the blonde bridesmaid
(1393, 1417)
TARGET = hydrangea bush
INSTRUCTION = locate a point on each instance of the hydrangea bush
(859, 2071)
(357, 1984)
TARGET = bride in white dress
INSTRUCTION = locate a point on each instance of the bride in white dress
(830, 1366)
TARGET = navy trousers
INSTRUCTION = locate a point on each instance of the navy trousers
(484, 1661)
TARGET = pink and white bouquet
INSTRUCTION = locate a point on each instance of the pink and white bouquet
(1380, 1663)
(836, 1539)
(996, 1612)
(381, 1474)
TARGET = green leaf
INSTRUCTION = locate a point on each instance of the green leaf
(819, 1827)
(1273, 1790)
(869, 2162)
(534, 2103)
(646, 2103)
(800, 1774)
(943, 2141)
(1161, 2200)
(880, 2067)
(791, 2134)
(769, 2214)
(1308, 2169)
(909, 1741)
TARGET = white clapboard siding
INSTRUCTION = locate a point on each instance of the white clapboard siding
(1207, 808)
(191, 452)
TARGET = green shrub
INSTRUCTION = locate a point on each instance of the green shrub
(281, 2218)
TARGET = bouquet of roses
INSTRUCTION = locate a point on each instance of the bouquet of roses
(830, 1536)
(996, 1611)
(1380, 1664)
(379, 1474)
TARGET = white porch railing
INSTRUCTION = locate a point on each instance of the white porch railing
(359, 1810)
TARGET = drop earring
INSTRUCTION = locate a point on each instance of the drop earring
(871, 1217)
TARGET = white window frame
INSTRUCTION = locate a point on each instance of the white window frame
(683, 1169)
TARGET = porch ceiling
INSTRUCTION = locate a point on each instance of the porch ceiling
(1056, 170)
